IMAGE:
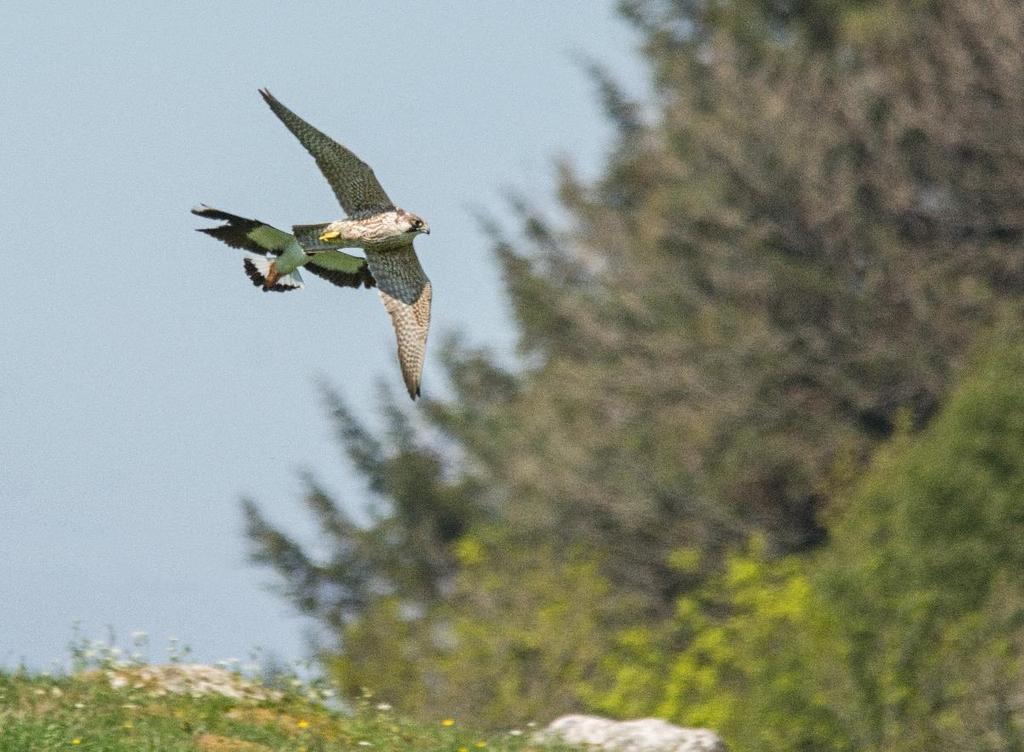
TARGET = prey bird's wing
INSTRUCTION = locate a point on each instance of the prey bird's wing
(248, 234)
(341, 269)
(405, 290)
(351, 178)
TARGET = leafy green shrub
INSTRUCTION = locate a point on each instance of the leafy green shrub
(517, 639)
(905, 633)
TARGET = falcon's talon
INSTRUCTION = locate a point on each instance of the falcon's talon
(329, 236)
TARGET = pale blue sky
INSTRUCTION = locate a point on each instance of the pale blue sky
(145, 385)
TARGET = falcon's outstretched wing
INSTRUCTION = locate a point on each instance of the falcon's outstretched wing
(405, 290)
(352, 179)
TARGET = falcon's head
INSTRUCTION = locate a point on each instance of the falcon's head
(414, 225)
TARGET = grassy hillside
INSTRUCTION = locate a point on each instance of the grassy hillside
(140, 708)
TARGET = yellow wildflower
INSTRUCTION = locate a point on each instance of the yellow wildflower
(76, 741)
(448, 722)
(481, 744)
(303, 724)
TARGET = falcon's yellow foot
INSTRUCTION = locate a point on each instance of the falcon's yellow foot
(329, 235)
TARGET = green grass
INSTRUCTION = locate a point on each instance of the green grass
(82, 711)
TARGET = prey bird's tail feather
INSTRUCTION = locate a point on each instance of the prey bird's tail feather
(263, 273)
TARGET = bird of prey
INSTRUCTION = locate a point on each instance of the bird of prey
(373, 223)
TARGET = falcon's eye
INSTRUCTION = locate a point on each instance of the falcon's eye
(416, 224)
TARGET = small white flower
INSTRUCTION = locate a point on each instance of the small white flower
(79, 705)
(515, 732)
(364, 743)
(381, 706)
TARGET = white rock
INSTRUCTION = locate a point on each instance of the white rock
(188, 678)
(645, 735)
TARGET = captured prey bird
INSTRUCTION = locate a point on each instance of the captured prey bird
(281, 254)
(373, 223)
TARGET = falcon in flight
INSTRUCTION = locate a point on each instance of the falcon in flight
(373, 223)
